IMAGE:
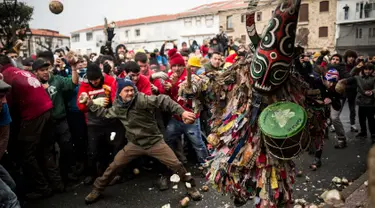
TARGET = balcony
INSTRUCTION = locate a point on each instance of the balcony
(352, 41)
(356, 17)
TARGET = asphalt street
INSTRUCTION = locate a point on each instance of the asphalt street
(141, 192)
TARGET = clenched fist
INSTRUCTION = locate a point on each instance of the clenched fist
(188, 117)
(83, 98)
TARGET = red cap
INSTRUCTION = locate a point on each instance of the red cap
(175, 58)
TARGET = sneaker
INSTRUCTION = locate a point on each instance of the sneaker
(361, 135)
(92, 197)
(316, 164)
(163, 183)
(194, 194)
(341, 144)
(332, 128)
(353, 128)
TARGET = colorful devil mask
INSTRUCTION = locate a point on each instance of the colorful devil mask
(274, 52)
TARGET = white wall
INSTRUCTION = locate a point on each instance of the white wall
(57, 42)
(199, 31)
(152, 35)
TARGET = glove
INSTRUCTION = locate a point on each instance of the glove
(111, 33)
(102, 101)
(159, 75)
(83, 98)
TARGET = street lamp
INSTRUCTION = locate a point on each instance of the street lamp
(29, 34)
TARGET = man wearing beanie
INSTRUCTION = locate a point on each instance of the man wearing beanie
(175, 126)
(96, 85)
(136, 111)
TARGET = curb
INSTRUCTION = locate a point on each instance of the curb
(354, 186)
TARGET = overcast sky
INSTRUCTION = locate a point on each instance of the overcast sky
(79, 14)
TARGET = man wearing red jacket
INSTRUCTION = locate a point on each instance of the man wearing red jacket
(175, 126)
(156, 79)
(30, 107)
(132, 71)
(98, 87)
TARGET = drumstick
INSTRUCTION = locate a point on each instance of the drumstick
(188, 77)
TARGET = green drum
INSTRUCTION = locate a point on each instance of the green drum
(284, 129)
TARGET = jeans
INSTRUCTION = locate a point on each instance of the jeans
(351, 97)
(8, 198)
(336, 122)
(161, 151)
(368, 113)
(192, 132)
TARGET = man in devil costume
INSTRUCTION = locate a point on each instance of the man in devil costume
(244, 162)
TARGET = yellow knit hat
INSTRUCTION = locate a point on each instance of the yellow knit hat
(316, 55)
(194, 61)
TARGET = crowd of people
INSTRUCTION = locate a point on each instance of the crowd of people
(103, 111)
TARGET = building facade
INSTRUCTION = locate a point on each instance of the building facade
(356, 26)
(316, 25)
(44, 39)
(149, 33)
(233, 19)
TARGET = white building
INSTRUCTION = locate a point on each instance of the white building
(150, 32)
(356, 26)
(44, 39)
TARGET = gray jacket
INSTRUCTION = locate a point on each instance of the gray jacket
(364, 83)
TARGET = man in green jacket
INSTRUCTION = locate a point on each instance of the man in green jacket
(56, 86)
(136, 111)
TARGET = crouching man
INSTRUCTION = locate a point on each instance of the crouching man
(136, 112)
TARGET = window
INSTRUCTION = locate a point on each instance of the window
(137, 32)
(75, 38)
(126, 33)
(37, 40)
(358, 34)
(89, 36)
(198, 21)
(229, 22)
(209, 21)
(60, 42)
(187, 22)
(371, 32)
(323, 32)
(48, 40)
(357, 7)
(324, 6)
(259, 16)
(304, 13)
(243, 18)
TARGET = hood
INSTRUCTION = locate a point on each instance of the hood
(275, 51)
(119, 46)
